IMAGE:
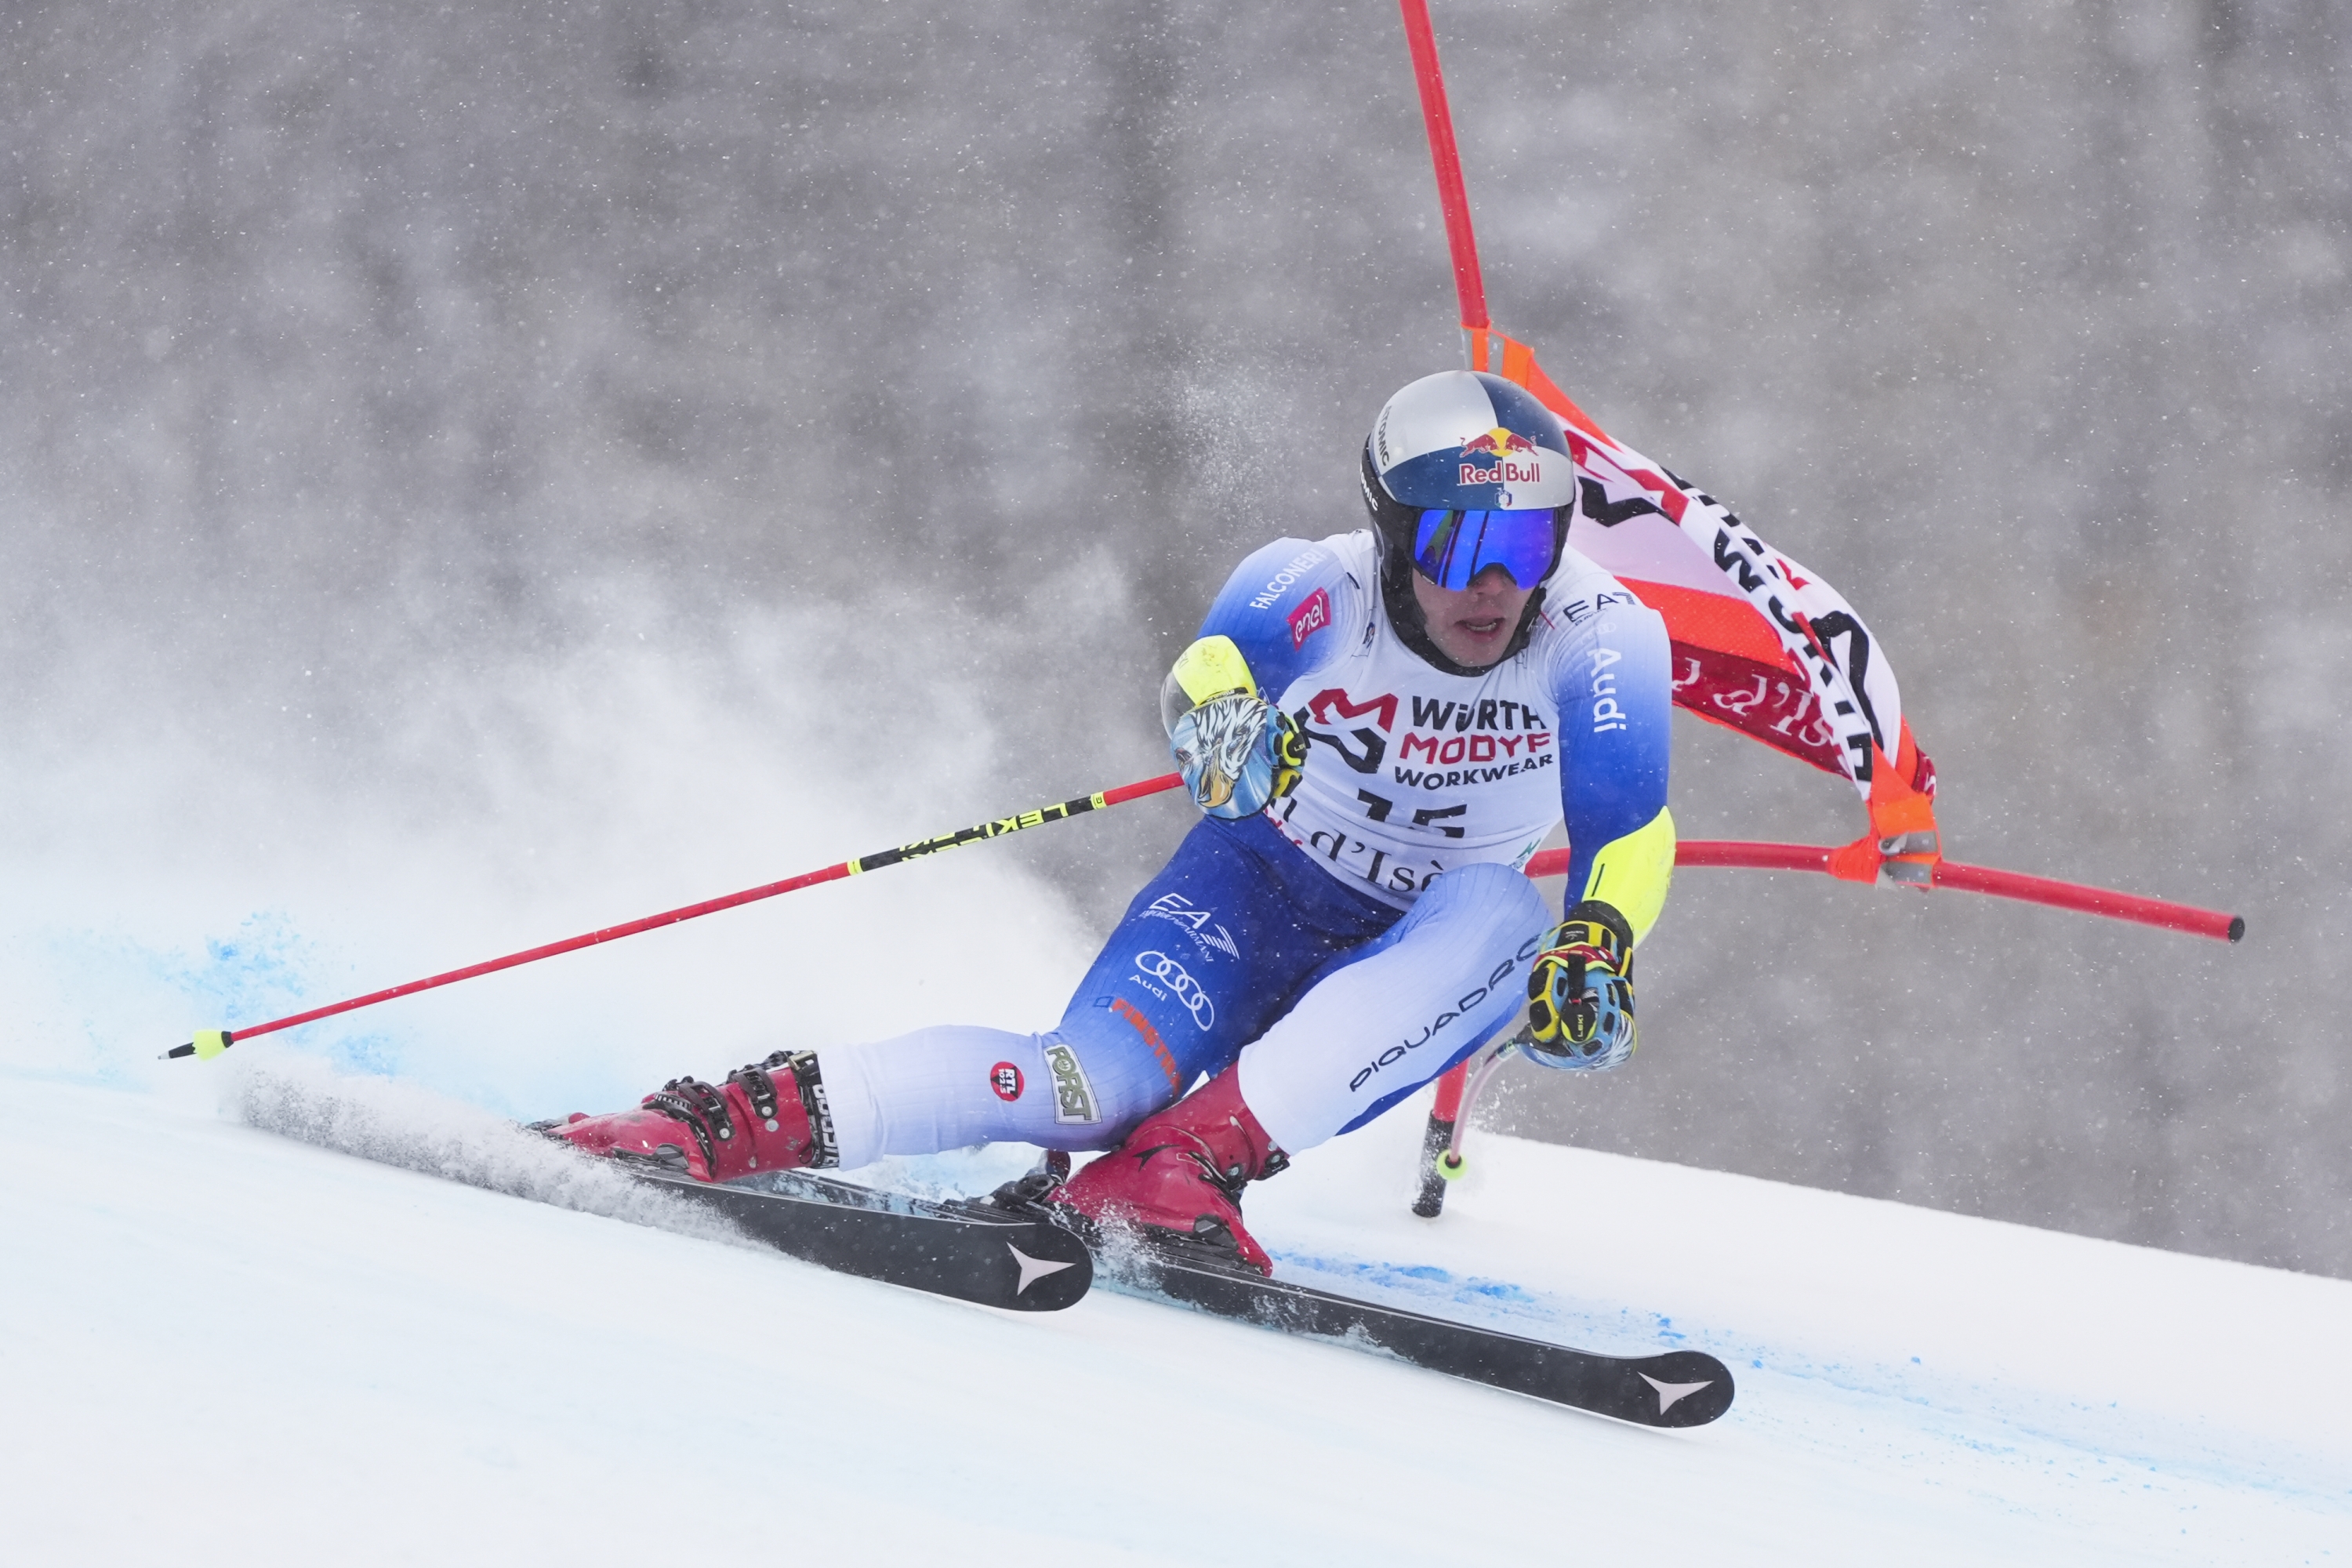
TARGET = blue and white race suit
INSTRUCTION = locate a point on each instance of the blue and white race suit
(1365, 932)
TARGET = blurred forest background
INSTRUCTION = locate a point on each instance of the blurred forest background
(352, 351)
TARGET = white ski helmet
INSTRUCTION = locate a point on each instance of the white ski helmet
(1466, 470)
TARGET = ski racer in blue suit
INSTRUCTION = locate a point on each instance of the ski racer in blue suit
(1381, 728)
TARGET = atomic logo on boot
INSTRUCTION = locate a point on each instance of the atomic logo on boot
(1006, 1080)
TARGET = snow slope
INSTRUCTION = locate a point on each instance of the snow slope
(218, 1341)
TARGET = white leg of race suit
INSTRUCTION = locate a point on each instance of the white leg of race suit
(930, 1090)
(1400, 1010)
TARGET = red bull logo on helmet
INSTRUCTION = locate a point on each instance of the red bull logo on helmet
(1501, 456)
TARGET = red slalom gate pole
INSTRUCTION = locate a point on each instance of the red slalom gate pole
(1451, 198)
(2091, 900)
(211, 1043)
(1453, 1088)
(1738, 855)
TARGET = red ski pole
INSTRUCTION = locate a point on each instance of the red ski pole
(1951, 874)
(1437, 1140)
(211, 1043)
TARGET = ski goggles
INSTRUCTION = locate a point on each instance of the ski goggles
(1451, 548)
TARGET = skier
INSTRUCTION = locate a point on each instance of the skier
(1381, 728)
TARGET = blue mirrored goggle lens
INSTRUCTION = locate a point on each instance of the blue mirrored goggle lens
(1451, 548)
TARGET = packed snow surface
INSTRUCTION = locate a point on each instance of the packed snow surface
(269, 1313)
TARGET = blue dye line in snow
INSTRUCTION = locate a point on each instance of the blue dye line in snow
(1986, 1419)
(266, 968)
(1499, 1303)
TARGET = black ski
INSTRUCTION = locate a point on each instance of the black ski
(973, 1252)
(1009, 1253)
(1677, 1388)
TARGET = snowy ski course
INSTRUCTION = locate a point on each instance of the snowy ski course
(220, 1337)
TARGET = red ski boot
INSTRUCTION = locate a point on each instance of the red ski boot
(769, 1116)
(1182, 1170)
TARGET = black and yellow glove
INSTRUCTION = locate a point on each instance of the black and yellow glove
(1581, 992)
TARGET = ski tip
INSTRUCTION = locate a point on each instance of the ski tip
(1690, 1388)
(2237, 928)
(1053, 1270)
